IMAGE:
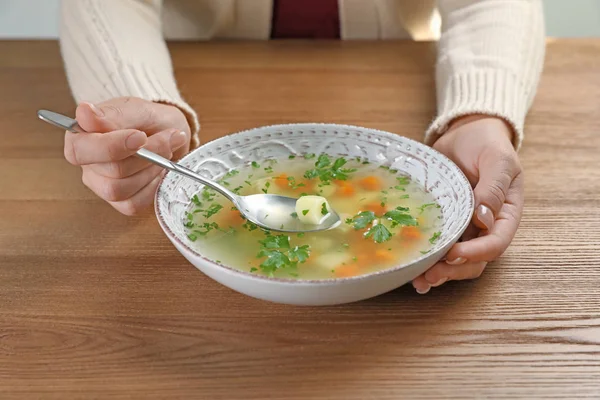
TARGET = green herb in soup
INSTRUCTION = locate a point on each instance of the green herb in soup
(387, 219)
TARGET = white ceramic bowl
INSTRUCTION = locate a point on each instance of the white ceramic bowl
(435, 172)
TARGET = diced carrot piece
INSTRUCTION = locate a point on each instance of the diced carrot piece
(372, 183)
(345, 189)
(363, 260)
(308, 185)
(233, 218)
(377, 208)
(411, 232)
(281, 181)
(346, 271)
(384, 255)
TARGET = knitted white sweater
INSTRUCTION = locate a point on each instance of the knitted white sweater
(490, 51)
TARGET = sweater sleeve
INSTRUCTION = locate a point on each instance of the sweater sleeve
(116, 48)
(490, 58)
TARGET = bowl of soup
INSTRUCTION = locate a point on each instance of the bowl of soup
(402, 205)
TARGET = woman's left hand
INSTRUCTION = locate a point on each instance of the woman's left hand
(481, 146)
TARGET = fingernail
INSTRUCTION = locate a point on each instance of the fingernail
(424, 291)
(99, 113)
(457, 261)
(178, 139)
(440, 282)
(136, 140)
(486, 217)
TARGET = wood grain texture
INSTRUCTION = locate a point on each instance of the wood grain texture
(97, 305)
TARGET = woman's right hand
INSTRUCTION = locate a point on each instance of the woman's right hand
(116, 129)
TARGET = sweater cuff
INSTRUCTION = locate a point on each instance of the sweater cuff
(491, 92)
(150, 87)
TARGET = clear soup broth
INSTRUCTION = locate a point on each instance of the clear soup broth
(386, 219)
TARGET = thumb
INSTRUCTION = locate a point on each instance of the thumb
(116, 114)
(496, 173)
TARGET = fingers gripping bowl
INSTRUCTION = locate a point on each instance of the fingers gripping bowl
(437, 175)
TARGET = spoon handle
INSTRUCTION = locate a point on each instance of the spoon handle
(71, 125)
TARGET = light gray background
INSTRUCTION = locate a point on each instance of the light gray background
(38, 18)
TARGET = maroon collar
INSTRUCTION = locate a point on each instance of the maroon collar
(309, 19)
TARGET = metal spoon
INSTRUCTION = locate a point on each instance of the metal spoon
(255, 208)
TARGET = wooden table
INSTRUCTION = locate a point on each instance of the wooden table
(97, 305)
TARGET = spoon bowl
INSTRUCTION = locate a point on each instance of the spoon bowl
(276, 212)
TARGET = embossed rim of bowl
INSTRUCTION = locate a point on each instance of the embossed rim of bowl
(466, 219)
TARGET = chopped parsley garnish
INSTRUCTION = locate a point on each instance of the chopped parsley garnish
(253, 269)
(294, 214)
(379, 233)
(362, 219)
(202, 230)
(250, 226)
(212, 210)
(280, 254)
(403, 180)
(304, 212)
(309, 156)
(291, 157)
(266, 188)
(208, 194)
(325, 170)
(400, 216)
(324, 209)
(196, 201)
(292, 183)
(231, 173)
(268, 169)
(275, 260)
(276, 242)
(426, 206)
(301, 234)
(237, 189)
(299, 253)
(435, 237)
(255, 164)
(425, 252)
(311, 173)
